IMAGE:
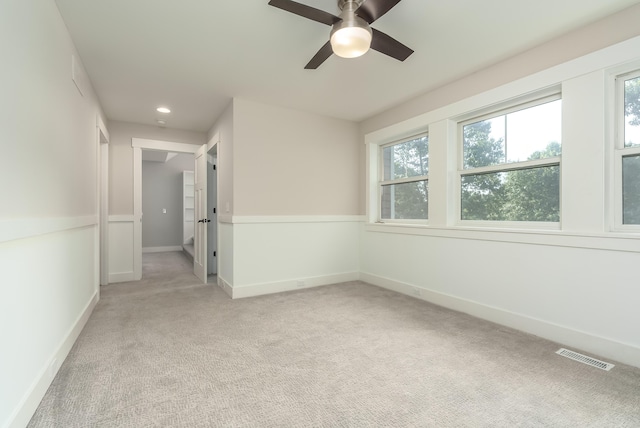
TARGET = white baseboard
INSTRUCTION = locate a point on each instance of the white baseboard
(161, 249)
(225, 286)
(29, 403)
(600, 346)
(238, 292)
(121, 277)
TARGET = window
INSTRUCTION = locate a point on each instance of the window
(510, 164)
(404, 169)
(628, 148)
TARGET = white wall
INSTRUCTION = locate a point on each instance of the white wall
(274, 254)
(225, 255)
(48, 220)
(224, 129)
(121, 216)
(575, 285)
(581, 297)
(292, 179)
(121, 255)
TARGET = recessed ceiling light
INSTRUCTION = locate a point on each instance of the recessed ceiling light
(161, 122)
(163, 110)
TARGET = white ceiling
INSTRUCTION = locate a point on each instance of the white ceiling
(195, 55)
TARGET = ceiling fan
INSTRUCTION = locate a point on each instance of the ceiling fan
(351, 36)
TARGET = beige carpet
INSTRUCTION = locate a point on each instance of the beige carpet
(168, 352)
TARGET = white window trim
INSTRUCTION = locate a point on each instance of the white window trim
(609, 241)
(619, 150)
(531, 101)
(511, 166)
(381, 182)
(442, 120)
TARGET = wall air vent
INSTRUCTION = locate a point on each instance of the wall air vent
(585, 360)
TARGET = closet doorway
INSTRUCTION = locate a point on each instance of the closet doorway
(167, 202)
(209, 224)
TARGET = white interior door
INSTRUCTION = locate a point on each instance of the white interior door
(201, 219)
(212, 202)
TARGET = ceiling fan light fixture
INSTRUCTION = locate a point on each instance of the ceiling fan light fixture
(351, 42)
(351, 37)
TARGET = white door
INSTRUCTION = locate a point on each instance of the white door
(200, 212)
(212, 202)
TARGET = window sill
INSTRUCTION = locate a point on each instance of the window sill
(610, 241)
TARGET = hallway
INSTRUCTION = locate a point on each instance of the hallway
(160, 271)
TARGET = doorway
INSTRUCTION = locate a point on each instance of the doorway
(203, 219)
(205, 259)
(138, 146)
(167, 222)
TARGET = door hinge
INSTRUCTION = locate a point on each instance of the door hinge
(214, 210)
(214, 167)
(214, 254)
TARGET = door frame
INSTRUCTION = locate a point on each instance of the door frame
(201, 211)
(216, 142)
(213, 204)
(138, 144)
(102, 201)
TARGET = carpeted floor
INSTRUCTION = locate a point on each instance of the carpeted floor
(169, 352)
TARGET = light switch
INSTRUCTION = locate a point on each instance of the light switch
(164, 211)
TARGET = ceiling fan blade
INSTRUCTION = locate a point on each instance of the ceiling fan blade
(389, 46)
(371, 10)
(306, 11)
(320, 57)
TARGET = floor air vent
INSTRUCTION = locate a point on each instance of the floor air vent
(584, 359)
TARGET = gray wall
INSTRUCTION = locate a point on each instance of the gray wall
(162, 188)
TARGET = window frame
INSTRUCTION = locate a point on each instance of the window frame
(503, 167)
(620, 151)
(382, 182)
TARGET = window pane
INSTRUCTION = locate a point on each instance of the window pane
(405, 201)
(631, 189)
(534, 133)
(483, 143)
(523, 195)
(407, 159)
(528, 134)
(632, 112)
